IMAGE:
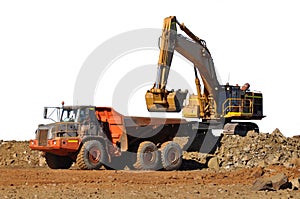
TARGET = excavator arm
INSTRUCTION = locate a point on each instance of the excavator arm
(195, 50)
(159, 99)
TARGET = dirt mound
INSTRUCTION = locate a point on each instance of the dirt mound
(252, 150)
(258, 149)
(18, 154)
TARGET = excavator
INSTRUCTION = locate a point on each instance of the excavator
(215, 104)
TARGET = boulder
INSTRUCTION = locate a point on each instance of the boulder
(261, 184)
(279, 181)
(276, 182)
(213, 163)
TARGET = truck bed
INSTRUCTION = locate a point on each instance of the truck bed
(136, 129)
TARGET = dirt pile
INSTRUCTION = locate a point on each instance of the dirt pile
(18, 154)
(252, 150)
(258, 149)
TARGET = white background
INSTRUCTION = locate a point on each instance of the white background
(44, 43)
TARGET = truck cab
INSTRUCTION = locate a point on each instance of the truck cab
(61, 139)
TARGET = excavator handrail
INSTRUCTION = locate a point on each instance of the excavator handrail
(236, 106)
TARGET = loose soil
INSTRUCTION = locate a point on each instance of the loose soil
(73, 183)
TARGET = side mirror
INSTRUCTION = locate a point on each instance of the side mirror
(45, 113)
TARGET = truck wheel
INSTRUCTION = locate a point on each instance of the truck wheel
(58, 162)
(147, 157)
(91, 156)
(171, 155)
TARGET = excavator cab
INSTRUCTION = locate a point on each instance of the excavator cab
(242, 104)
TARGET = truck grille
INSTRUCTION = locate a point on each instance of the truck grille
(42, 137)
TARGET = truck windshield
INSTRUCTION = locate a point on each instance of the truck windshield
(68, 115)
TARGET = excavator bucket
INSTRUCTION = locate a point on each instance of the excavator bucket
(165, 101)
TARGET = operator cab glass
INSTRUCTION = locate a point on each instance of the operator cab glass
(87, 114)
(68, 115)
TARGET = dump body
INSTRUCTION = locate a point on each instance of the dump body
(126, 131)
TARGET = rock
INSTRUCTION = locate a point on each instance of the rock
(252, 134)
(295, 162)
(296, 137)
(11, 161)
(261, 164)
(295, 183)
(261, 184)
(278, 136)
(276, 182)
(213, 163)
(279, 181)
(42, 161)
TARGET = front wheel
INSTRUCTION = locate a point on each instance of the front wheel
(171, 155)
(92, 155)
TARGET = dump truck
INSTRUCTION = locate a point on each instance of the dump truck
(100, 136)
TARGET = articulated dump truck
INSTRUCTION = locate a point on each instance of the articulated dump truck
(100, 136)
(95, 136)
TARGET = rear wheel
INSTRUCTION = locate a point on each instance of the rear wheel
(92, 155)
(147, 157)
(58, 162)
(171, 155)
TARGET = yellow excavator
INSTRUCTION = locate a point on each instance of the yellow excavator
(213, 102)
